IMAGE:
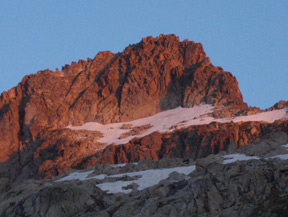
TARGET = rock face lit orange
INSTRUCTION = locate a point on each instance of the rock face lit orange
(154, 75)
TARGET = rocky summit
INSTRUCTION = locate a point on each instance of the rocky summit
(160, 105)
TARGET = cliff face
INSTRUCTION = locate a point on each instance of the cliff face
(154, 75)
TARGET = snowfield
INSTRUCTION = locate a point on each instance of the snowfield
(231, 158)
(148, 178)
(74, 176)
(170, 120)
(282, 156)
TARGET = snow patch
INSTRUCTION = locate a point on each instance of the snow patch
(147, 178)
(161, 122)
(269, 116)
(231, 158)
(170, 120)
(281, 156)
(122, 165)
(73, 176)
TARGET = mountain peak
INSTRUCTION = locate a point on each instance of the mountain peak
(154, 75)
(170, 37)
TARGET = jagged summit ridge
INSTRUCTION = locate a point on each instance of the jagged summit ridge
(154, 75)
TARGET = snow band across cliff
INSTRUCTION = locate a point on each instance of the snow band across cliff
(168, 121)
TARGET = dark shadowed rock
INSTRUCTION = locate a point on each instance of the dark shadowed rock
(65, 199)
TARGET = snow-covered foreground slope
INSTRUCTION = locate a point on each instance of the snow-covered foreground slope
(170, 120)
(147, 178)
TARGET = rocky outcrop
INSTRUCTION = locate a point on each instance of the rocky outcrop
(57, 200)
(256, 188)
(279, 105)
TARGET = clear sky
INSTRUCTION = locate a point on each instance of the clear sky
(247, 38)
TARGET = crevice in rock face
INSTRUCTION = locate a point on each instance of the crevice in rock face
(24, 134)
(77, 99)
(24, 101)
(5, 108)
(122, 78)
(73, 82)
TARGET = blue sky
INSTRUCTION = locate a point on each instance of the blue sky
(247, 38)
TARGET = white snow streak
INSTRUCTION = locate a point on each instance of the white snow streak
(282, 156)
(148, 178)
(231, 158)
(73, 176)
(269, 116)
(161, 122)
(170, 120)
(122, 165)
